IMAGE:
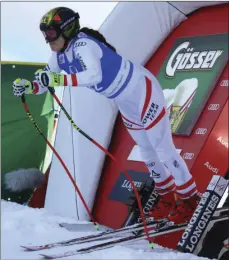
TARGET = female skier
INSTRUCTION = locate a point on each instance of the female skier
(90, 61)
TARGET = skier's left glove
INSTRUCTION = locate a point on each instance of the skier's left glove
(22, 86)
(50, 79)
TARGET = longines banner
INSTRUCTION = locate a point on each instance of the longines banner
(123, 191)
(188, 76)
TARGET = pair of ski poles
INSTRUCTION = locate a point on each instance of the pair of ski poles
(52, 91)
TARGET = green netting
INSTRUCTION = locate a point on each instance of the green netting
(22, 145)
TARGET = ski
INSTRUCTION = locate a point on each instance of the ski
(94, 237)
(100, 236)
(131, 238)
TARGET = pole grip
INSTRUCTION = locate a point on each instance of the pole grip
(51, 90)
(23, 98)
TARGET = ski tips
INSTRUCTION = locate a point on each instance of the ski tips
(47, 256)
(37, 248)
(26, 248)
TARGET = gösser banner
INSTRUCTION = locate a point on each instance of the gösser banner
(189, 75)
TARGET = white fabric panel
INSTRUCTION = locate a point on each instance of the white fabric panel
(188, 7)
(95, 115)
(60, 195)
(137, 29)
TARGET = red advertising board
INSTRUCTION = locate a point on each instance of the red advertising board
(213, 158)
(192, 145)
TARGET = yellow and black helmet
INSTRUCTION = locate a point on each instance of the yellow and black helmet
(60, 21)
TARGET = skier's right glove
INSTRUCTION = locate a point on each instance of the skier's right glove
(22, 86)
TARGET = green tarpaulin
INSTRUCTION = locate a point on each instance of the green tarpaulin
(22, 145)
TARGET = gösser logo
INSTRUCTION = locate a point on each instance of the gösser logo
(188, 156)
(213, 107)
(201, 131)
(185, 57)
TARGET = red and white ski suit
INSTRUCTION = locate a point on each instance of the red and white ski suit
(143, 109)
(140, 100)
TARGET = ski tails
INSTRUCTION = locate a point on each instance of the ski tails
(202, 215)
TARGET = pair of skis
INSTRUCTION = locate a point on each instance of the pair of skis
(156, 228)
(96, 237)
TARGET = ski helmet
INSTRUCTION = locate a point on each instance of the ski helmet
(59, 21)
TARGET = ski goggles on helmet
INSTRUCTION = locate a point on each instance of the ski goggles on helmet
(51, 34)
(53, 31)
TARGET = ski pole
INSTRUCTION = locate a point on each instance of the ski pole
(60, 159)
(52, 91)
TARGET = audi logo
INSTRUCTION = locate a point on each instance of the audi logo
(188, 156)
(213, 107)
(224, 83)
(201, 131)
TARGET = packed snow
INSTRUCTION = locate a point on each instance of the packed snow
(22, 225)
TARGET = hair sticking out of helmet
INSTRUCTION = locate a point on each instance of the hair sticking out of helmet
(63, 21)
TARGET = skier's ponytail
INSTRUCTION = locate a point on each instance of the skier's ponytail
(97, 35)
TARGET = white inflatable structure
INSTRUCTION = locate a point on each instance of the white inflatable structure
(136, 29)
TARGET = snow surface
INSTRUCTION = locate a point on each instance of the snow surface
(21, 225)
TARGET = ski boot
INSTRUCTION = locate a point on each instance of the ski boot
(184, 210)
(163, 207)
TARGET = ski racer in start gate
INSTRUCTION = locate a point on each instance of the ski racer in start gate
(90, 61)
